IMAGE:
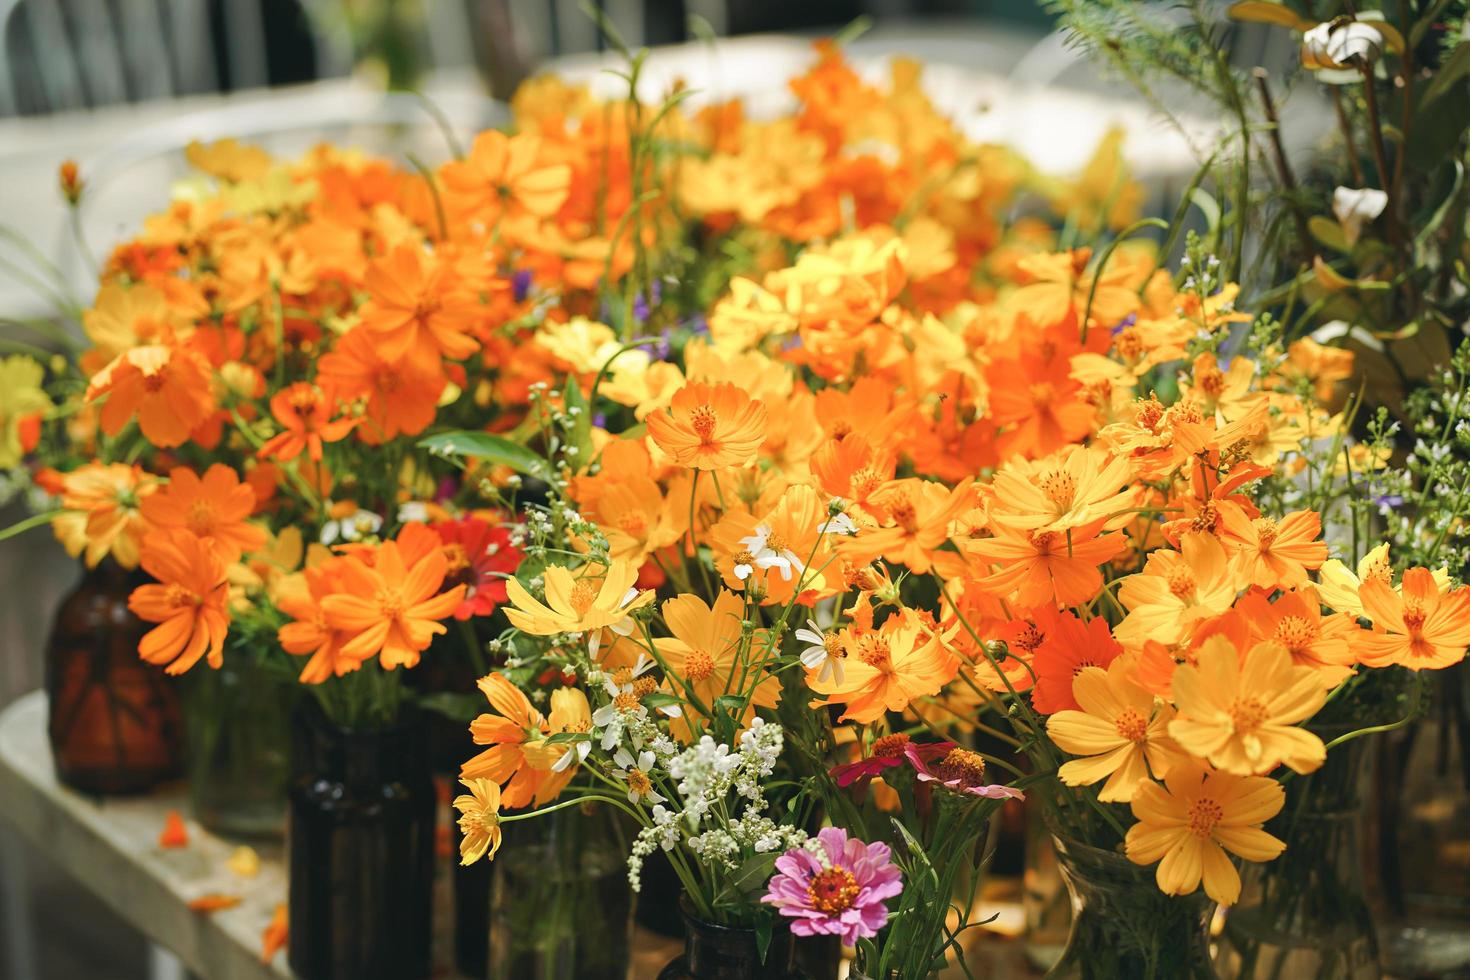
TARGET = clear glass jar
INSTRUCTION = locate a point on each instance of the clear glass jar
(1123, 926)
(560, 904)
(237, 723)
(1306, 912)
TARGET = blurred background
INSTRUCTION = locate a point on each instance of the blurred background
(122, 86)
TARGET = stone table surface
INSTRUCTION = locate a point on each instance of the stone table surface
(110, 845)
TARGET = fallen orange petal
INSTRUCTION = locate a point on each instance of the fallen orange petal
(175, 834)
(214, 902)
(274, 936)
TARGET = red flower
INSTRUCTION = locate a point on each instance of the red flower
(888, 752)
(479, 556)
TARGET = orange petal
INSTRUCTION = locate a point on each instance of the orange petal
(214, 902)
(174, 834)
(273, 940)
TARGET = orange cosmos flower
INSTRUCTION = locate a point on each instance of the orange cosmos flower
(1274, 554)
(1175, 590)
(852, 469)
(168, 389)
(1295, 621)
(1417, 626)
(188, 603)
(1074, 487)
(503, 175)
(888, 667)
(704, 655)
(921, 512)
(1060, 287)
(392, 608)
(213, 508)
(102, 512)
(415, 309)
(1044, 567)
(402, 397)
(310, 634)
(1037, 404)
(1069, 645)
(517, 756)
(710, 427)
(304, 413)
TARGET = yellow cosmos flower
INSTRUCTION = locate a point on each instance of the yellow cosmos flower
(578, 603)
(1175, 590)
(479, 820)
(1241, 713)
(1118, 728)
(21, 402)
(1188, 823)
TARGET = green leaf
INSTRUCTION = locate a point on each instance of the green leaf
(660, 699)
(731, 704)
(763, 937)
(454, 705)
(561, 738)
(488, 447)
(1329, 233)
(1451, 72)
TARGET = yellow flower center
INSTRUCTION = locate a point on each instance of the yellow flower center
(1181, 581)
(1043, 395)
(890, 746)
(626, 700)
(1247, 713)
(1207, 518)
(201, 518)
(584, 593)
(1131, 725)
(832, 891)
(703, 420)
(1211, 381)
(639, 783)
(1296, 633)
(179, 597)
(1414, 615)
(1149, 413)
(1060, 488)
(1204, 814)
(1265, 530)
(1129, 344)
(904, 513)
(1029, 638)
(390, 603)
(840, 428)
(863, 482)
(963, 765)
(744, 558)
(832, 643)
(644, 686)
(776, 543)
(699, 665)
(455, 558)
(874, 651)
(633, 523)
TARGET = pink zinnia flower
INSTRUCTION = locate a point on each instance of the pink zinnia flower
(840, 892)
(963, 771)
(480, 556)
(889, 751)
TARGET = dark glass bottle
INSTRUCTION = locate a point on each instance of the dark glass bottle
(115, 724)
(716, 952)
(361, 845)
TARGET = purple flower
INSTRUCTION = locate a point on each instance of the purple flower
(840, 892)
(521, 284)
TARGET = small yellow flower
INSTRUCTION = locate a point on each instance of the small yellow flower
(479, 820)
(578, 604)
(1119, 730)
(1188, 826)
(1241, 714)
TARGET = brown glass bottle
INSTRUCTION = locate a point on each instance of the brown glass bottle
(115, 723)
